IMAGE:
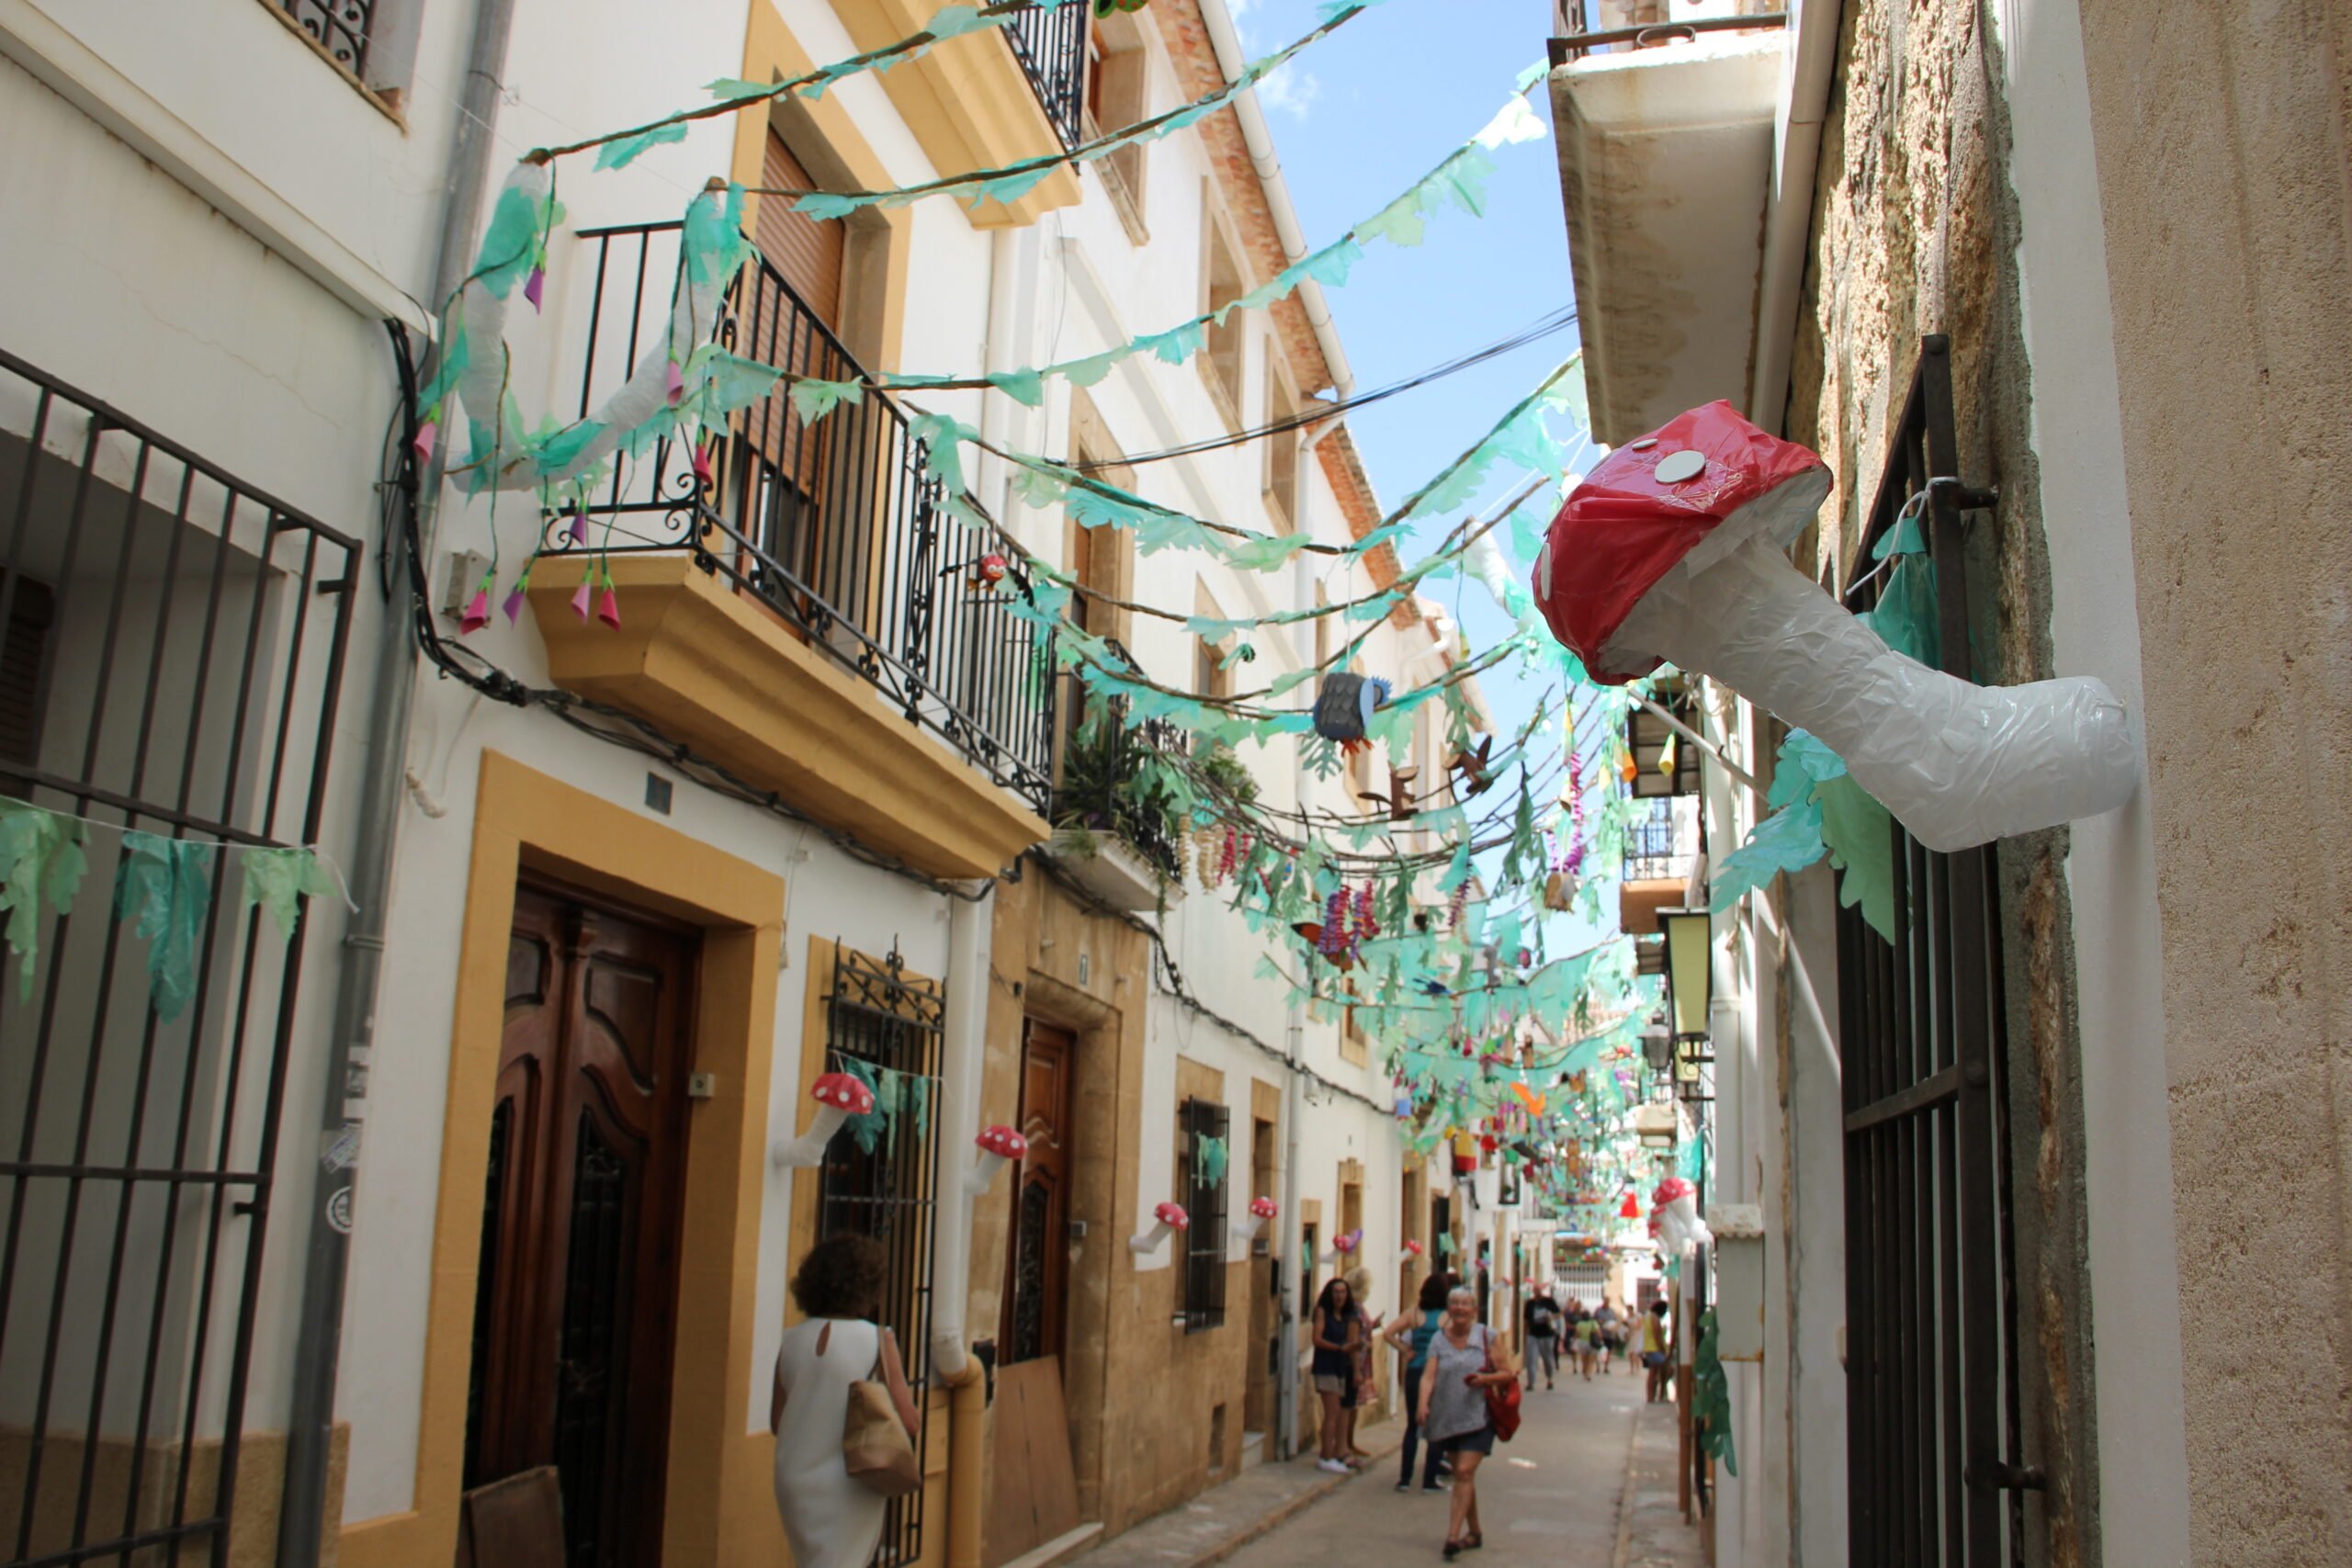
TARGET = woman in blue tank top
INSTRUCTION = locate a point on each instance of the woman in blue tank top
(1410, 1335)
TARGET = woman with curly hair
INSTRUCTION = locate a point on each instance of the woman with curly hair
(833, 1520)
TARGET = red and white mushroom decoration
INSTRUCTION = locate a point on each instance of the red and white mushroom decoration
(997, 1145)
(1675, 1206)
(1166, 1217)
(1670, 551)
(1344, 1246)
(1254, 1218)
(838, 1097)
(1412, 1250)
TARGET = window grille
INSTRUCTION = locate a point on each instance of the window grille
(1201, 1301)
(1932, 1393)
(880, 1021)
(174, 649)
(338, 27)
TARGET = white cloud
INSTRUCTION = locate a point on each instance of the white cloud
(1288, 90)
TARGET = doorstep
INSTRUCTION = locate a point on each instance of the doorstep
(1253, 1449)
(1066, 1545)
(1219, 1522)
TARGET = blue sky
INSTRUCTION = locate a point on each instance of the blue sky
(1356, 119)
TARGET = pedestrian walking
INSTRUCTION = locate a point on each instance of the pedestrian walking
(1541, 1326)
(1613, 1332)
(1362, 1390)
(1338, 1331)
(1409, 1336)
(1466, 1358)
(1655, 1342)
(832, 1519)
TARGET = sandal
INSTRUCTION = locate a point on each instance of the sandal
(1475, 1542)
(1453, 1549)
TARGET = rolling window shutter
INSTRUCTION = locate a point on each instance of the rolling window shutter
(809, 253)
(27, 635)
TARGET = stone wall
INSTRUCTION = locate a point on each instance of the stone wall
(1141, 1392)
(1915, 231)
(2225, 144)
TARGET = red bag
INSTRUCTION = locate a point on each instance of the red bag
(1502, 1402)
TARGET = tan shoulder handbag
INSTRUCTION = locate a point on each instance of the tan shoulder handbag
(874, 1444)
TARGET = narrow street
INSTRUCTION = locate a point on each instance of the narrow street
(1587, 1483)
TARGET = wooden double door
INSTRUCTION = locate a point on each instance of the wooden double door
(576, 1297)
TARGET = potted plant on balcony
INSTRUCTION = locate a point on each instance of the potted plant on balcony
(1121, 812)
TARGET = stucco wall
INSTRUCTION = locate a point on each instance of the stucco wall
(2222, 145)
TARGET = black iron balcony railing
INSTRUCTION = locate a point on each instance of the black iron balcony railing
(338, 27)
(834, 525)
(1101, 788)
(1651, 853)
(1051, 46)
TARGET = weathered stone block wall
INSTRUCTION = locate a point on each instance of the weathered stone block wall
(1915, 231)
(2223, 135)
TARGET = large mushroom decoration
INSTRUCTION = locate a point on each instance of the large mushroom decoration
(1344, 1246)
(1260, 1210)
(1412, 1250)
(997, 1145)
(1166, 1218)
(1675, 1206)
(838, 1097)
(1670, 551)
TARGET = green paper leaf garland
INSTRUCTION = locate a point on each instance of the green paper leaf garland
(40, 863)
(162, 883)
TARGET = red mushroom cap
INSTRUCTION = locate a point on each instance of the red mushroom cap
(1673, 1186)
(1623, 529)
(1264, 1208)
(844, 1091)
(1413, 1247)
(1172, 1215)
(1002, 1141)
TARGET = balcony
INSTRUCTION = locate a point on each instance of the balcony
(1661, 859)
(1664, 137)
(812, 617)
(987, 98)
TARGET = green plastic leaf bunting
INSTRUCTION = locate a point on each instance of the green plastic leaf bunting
(40, 863)
(162, 883)
(955, 21)
(1710, 1402)
(1788, 840)
(1860, 835)
(277, 880)
(735, 89)
(812, 400)
(619, 154)
(1026, 387)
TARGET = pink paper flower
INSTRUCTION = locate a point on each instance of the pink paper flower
(582, 601)
(608, 609)
(535, 284)
(675, 380)
(426, 433)
(579, 527)
(477, 614)
(702, 466)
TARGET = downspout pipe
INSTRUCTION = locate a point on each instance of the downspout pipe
(1810, 64)
(1289, 1299)
(1259, 140)
(318, 1344)
(970, 941)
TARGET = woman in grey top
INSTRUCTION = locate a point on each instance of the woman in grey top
(1466, 1360)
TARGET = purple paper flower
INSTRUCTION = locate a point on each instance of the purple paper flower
(535, 284)
(579, 527)
(514, 599)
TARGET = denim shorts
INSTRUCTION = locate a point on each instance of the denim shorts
(1481, 1441)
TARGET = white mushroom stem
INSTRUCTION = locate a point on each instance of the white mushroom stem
(810, 1147)
(1246, 1228)
(1149, 1241)
(1958, 765)
(1680, 1228)
(983, 1171)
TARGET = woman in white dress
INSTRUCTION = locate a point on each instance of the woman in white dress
(833, 1520)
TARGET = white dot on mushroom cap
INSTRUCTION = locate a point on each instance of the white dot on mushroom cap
(1676, 467)
(1643, 445)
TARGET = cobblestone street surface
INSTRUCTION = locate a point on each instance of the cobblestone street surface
(1589, 1482)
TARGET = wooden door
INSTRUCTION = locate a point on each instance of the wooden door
(1034, 1499)
(1257, 1392)
(1037, 1292)
(576, 1298)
